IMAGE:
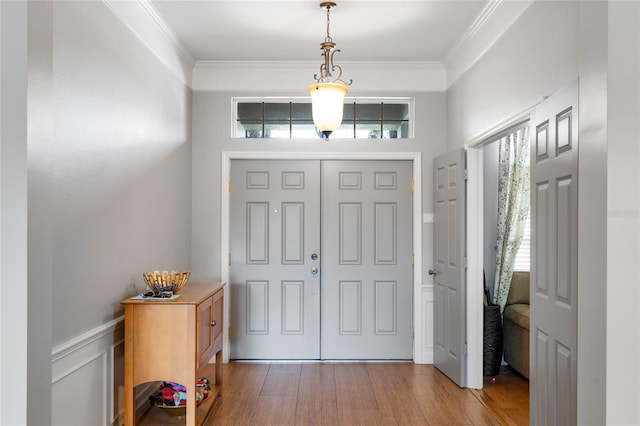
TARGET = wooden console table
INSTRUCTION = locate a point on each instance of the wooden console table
(173, 340)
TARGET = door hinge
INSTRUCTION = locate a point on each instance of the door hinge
(229, 186)
(229, 259)
(413, 259)
(230, 334)
(413, 186)
(465, 174)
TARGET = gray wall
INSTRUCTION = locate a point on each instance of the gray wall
(534, 57)
(121, 177)
(550, 45)
(211, 136)
(490, 207)
(13, 213)
(40, 241)
(109, 179)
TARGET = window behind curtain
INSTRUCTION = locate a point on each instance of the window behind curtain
(522, 262)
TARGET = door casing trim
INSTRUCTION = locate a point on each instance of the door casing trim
(415, 157)
(475, 239)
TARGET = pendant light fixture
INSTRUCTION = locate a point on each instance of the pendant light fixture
(327, 93)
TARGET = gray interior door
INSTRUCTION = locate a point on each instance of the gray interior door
(554, 260)
(275, 231)
(449, 270)
(367, 273)
(353, 300)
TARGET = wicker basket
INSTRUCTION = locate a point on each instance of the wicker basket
(159, 281)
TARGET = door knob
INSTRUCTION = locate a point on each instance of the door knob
(433, 272)
(314, 270)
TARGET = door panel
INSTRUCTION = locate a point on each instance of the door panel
(367, 275)
(554, 283)
(275, 300)
(366, 257)
(449, 253)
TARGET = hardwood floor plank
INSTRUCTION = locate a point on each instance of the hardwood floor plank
(438, 410)
(288, 368)
(247, 378)
(359, 417)
(396, 401)
(506, 396)
(316, 413)
(356, 396)
(479, 415)
(233, 410)
(322, 371)
(358, 393)
(351, 374)
(275, 410)
(317, 390)
(281, 385)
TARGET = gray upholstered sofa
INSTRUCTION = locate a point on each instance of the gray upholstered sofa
(516, 324)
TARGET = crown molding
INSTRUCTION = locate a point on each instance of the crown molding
(168, 32)
(258, 76)
(473, 29)
(142, 18)
(426, 65)
(490, 24)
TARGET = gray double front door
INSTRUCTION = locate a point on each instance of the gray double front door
(321, 259)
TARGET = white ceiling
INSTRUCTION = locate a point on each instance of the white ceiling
(385, 31)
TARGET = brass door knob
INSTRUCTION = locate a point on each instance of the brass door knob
(433, 272)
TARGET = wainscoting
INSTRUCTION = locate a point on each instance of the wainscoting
(88, 378)
(424, 353)
(88, 371)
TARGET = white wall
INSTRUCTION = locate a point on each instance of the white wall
(623, 214)
(109, 197)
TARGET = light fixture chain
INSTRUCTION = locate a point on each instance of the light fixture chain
(327, 95)
(328, 38)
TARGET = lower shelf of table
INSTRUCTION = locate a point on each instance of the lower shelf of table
(157, 416)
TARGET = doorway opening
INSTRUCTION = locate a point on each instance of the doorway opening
(476, 249)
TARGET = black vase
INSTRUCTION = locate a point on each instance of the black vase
(492, 347)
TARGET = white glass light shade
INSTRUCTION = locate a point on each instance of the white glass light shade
(327, 102)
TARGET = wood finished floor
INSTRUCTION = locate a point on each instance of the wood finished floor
(507, 397)
(360, 394)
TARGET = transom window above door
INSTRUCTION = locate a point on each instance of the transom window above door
(389, 118)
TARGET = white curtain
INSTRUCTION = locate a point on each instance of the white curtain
(513, 208)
